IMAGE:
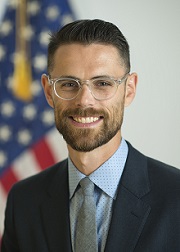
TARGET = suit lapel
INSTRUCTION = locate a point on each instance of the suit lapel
(129, 211)
(55, 212)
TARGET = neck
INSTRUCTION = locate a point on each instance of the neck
(88, 162)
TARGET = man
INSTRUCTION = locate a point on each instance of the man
(137, 199)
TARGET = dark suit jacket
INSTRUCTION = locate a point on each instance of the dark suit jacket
(146, 213)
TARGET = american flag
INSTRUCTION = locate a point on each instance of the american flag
(29, 141)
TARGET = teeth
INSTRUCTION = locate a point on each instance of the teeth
(85, 119)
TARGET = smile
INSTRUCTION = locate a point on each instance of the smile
(85, 119)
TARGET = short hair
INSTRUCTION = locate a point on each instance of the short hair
(87, 32)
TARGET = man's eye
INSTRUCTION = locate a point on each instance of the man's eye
(68, 84)
(103, 83)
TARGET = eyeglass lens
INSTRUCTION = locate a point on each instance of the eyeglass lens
(100, 88)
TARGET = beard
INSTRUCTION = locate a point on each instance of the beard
(88, 139)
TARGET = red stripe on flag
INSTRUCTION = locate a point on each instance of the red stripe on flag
(43, 154)
(8, 179)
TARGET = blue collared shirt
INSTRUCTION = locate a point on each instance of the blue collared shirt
(106, 179)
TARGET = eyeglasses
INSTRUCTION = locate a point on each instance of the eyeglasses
(101, 88)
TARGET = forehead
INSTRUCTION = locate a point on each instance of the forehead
(86, 58)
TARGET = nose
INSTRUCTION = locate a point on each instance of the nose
(85, 97)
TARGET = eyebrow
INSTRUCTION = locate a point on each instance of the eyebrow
(76, 78)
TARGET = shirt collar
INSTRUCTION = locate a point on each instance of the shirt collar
(106, 177)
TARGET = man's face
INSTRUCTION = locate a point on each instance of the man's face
(84, 122)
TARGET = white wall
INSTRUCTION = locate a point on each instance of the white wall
(152, 28)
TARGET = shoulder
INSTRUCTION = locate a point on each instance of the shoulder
(39, 182)
(165, 176)
(160, 174)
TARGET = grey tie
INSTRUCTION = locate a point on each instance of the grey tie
(86, 230)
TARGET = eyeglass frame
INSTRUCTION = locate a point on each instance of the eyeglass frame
(79, 82)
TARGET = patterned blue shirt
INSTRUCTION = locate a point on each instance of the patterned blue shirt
(106, 179)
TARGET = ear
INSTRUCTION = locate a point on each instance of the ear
(131, 85)
(47, 90)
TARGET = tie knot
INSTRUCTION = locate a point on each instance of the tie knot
(87, 186)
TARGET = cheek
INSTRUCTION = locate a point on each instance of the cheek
(119, 110)
(59, 104)
(117, 105)
(61, 107)
(57, 109)
(114, 113)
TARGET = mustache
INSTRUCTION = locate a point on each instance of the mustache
(84, 112)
